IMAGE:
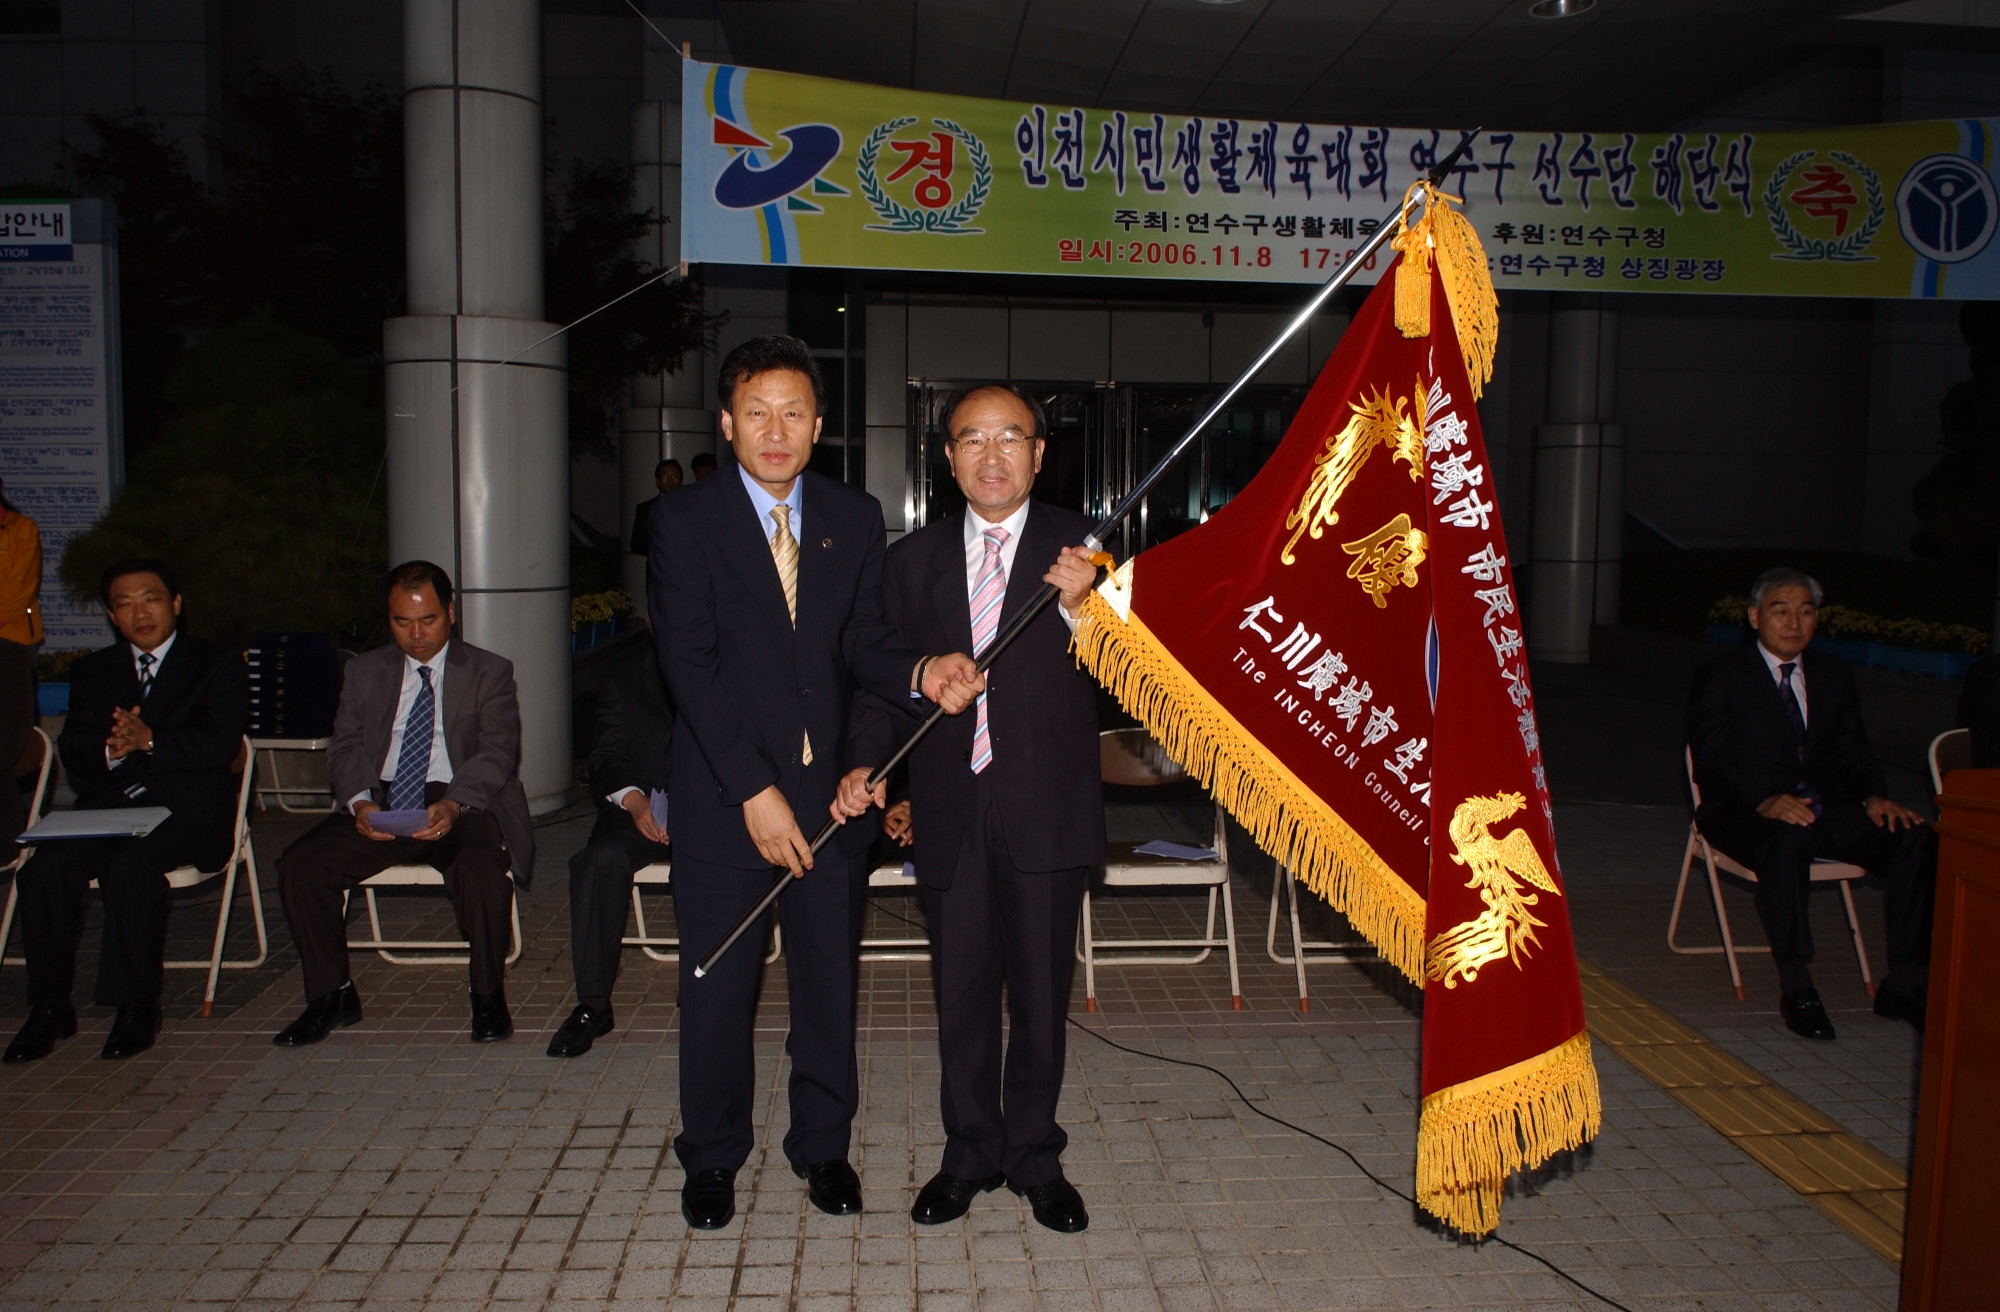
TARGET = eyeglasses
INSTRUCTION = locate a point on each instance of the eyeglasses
(1007, 442)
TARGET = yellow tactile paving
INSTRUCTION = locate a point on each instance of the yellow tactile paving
(1844, 1176)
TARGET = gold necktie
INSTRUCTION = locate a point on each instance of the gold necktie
(785, 554)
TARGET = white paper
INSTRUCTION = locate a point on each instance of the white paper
(1177, 851)
(119, 822)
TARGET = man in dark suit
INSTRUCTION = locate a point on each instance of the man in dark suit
(764, 585)
(1786, 776)
(1006, 808)
(157, 719)
(628, 765)
(428, 724)
(666, 477)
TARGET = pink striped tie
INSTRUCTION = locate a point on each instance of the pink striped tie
(987, 593)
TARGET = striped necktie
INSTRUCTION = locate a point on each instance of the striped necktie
(146, 660)
(988, 591)
(785, 554)
(413, 763)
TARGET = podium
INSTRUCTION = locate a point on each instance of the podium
(1948, 1245)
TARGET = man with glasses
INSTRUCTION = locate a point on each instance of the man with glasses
(1006, 808)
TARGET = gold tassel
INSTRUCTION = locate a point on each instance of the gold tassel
(1283, 815)
(1447, 237)
(1473, 1135)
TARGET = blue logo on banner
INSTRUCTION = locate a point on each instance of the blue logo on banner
(1947, 208)
(741, 186)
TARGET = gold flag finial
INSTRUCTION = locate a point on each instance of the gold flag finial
(1445, 237)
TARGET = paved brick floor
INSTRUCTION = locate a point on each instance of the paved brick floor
(399, 1166)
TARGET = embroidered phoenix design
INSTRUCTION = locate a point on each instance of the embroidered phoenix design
(1379, 421)
(1506, 929)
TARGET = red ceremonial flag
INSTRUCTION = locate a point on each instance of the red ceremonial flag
(1337, 655)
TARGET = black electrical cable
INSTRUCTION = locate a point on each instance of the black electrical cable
(1380, 1183)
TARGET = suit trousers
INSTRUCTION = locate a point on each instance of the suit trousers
(997, 921)
(315, 873)
(1782, 855)
(600, 897)
(819, 914)
(131, 875)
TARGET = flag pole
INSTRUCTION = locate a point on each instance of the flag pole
(1096, 538)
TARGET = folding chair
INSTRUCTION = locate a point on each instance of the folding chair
(659, 875)
(1285, 884)
(896, 874)
(1950, 750)
(1130, 757)
(1823, 872)
(435, 952)
(38, 758)
(242, 856)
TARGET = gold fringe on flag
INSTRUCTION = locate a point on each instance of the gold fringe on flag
(1445, 236)
(1285, 817)
(1472, 1136)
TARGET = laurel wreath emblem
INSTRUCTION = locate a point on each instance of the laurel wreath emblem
(1846, 250)
(898, 217)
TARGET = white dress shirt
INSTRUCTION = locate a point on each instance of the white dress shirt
(1798, 677)
(440, 771)
(159, 658)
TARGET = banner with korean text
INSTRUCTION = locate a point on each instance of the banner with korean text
(783, 169)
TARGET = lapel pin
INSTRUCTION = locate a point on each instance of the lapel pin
(825, 542)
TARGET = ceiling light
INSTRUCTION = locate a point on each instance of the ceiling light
(1560, 8)
(1222, 2)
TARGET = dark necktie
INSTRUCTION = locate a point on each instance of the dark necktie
(1793, 711)
(413, 763)
(146, 660)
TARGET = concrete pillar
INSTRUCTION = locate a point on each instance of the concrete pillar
(665, 418)
(1579, 485)
(478, 416)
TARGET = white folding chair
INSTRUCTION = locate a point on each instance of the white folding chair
(1823, 872)
(894, 874)
(1950, 750)
(434, 952)
(1130, 757)
(662, 948)
(1285, 884)
(37, 758)
(242, 856)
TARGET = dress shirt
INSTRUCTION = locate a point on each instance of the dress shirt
(975, 551)
(763, 501)
(159, 658)
(440, 771)
(1798, 678)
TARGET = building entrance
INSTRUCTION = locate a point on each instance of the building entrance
(1104, 437)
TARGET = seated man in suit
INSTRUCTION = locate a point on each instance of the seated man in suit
(426, 724)
(1786, 775)
(628, 764)
(156, 719)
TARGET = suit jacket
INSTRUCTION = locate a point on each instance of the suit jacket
(642, 516)
(1742, 739)
(635, 729)
(747, 683)
(1979, 711)
(198, 711)
(482, 732)
(1041, 707)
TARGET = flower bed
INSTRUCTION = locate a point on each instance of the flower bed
(1942, 651)
(598, 617)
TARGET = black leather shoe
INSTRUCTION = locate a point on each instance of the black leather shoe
(132, 1031)
(1057, 1205)
(323, 1015)
(491, 1021)
(708, 1199)
(1894, 1004)
(583, 1025)
(946, 1197)
(832, 1185)
(1805, 1015)
(46, 1023)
